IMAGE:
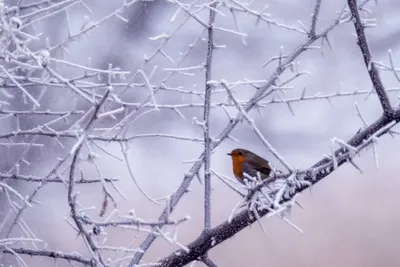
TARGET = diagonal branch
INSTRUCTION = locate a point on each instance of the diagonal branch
(261, 92)
(209, 262)
(227, 229)
(315, 17)
(71, 183)
(366, 53)
(254, 127)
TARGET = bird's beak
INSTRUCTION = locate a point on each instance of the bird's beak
(229, 154)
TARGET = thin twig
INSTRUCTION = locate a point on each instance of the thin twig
(71, 195)
(315, 17)
(52, 254)
(207, 139)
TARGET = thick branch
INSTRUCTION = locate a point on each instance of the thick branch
(372, 70)
(261, 92)
(224, 231)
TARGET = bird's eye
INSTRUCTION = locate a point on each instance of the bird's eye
(240, 153)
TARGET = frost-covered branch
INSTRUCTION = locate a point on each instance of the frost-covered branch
(207, 137)
(254, 127)
(83, 123)
(49, 254)
(313, 175)
(366, 53)
(315, 17)
(261, 93)
(35, 179)
(72, 201)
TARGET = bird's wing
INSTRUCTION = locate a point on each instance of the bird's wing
(252, 166)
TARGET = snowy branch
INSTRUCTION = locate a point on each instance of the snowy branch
(370, 65)
(314, 174)
(207, 137)
(83, 108)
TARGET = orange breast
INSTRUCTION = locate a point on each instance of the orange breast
(238, 168)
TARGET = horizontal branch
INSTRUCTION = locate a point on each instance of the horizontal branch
(35, 179)
(40, 112)
(132, 222)
(50, 254)
(73, 134)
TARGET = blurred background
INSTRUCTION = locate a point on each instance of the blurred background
(349, 218)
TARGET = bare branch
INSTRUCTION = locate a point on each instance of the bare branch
(316, 173)
(62, 110)
(209, 262)
(71, 195)
(207, 138)
(51, 254)
(366, 53)
(315, 17)
(261, 93)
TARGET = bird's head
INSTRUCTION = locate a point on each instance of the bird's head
(239, 154)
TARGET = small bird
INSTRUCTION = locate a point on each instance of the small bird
(245, 161)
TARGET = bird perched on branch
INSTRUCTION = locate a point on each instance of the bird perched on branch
(245, 161)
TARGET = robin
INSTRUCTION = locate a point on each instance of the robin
(245, 161)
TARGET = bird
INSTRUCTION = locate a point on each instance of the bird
(245, 161)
